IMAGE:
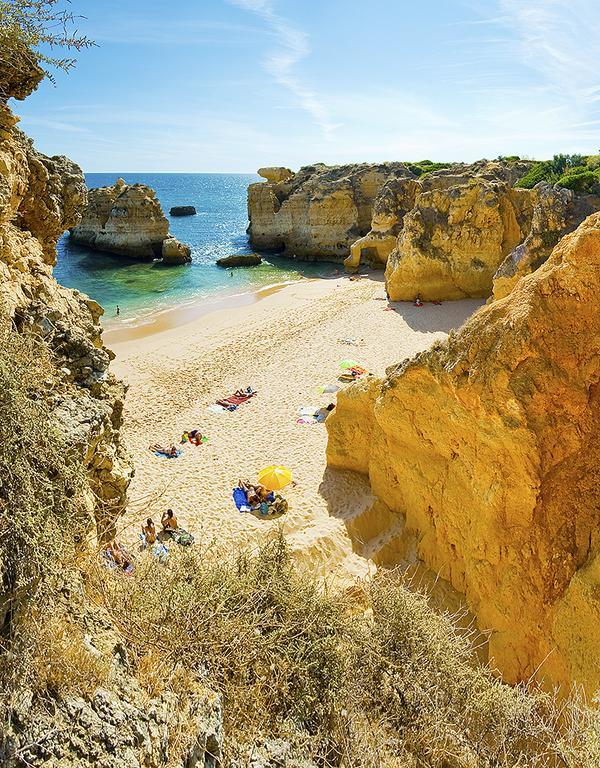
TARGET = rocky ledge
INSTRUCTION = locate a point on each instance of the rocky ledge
(127, 220)
(484, 452)
(462, 231)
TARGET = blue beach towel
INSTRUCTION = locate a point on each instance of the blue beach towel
(166, 455)
(241, 499)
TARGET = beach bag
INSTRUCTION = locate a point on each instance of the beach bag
(181, 536)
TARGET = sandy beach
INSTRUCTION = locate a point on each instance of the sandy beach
(285, 343)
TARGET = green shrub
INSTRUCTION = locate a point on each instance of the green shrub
(583, 181)
(541, 171)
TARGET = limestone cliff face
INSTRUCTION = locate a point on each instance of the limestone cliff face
(320, 211)
(463, 231)
(487, 447)
(555, 212)
(128, 220)
(40, 197)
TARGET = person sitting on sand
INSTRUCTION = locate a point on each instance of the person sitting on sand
(195, 436)
(149, 532)
(418, 302)
(169, 521)
(170, 450)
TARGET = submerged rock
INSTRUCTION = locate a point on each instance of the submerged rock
(486, 446)
(246, 260)
(174, 252)
(182, 210)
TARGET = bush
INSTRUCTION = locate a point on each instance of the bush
(25, 25)
(40, 483)
(541, 171)
(374, 682)
(583, 181)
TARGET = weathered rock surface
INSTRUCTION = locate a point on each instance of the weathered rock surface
(486, 446)
(182, 210)
(117, 725)
(275, 174)
(126, 219)
(174, 252)
(317, 213)
(40, 197)
(556, 212)
(462, 231)
(245, 260)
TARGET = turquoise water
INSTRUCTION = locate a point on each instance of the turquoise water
(218, 229)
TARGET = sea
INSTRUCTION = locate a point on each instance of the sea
(142, 289)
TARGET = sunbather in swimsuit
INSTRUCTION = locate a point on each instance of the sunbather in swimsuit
(169, 521)
(149, 532)
(168, 451)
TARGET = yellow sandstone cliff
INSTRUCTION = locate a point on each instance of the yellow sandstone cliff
(486, 446)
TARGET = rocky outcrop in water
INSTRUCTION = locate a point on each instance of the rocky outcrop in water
(127, 220)
(317, 213)
(182, 210)
(484, 450)
(243, 260)
(463, 231)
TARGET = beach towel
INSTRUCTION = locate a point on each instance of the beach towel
(306, 420)
(214, 408)
(233, 401)
(329, 389)
(240, 497)
(163, 455)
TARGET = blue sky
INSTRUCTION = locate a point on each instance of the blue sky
(230, 85)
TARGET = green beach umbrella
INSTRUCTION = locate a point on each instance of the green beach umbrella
(345, 364)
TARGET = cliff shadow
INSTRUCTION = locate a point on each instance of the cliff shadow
(429, 318)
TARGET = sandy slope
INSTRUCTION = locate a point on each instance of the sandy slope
(285, 346)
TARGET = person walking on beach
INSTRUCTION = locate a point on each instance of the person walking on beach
(118, 311)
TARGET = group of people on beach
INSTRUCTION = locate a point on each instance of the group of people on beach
(115, 555)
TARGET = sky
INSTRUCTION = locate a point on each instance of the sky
(232, 85)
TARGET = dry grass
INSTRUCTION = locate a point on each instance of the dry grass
(391, 686)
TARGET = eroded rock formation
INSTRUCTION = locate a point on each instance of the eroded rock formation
(117, 724)
(486, 448)
(127, 219)
(463, 231)
(40, 197)
(320, 211)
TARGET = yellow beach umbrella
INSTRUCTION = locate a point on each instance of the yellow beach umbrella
(274, 478)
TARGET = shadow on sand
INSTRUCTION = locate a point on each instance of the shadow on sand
(429, 318)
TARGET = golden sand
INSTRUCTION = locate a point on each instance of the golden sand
(284, 345)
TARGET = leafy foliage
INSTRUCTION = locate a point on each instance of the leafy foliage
(30, 30)
(563, 170)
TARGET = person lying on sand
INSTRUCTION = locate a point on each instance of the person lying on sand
(256, 493)
(118, 554)
(169, 521)
(170, 450)
(149, 532)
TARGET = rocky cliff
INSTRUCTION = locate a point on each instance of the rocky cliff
(54, 637)
(320, 211)
(484, 448)
(127, 219)
(463, 231)
(40, 197)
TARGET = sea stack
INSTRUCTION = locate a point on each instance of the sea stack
(182, 210)
(127, 220)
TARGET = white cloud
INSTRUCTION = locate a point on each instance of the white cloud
(293, 46)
